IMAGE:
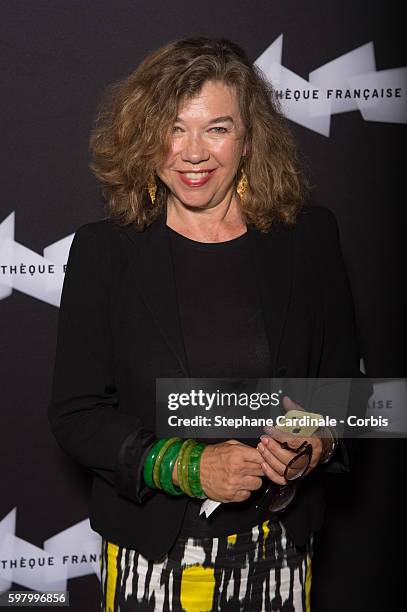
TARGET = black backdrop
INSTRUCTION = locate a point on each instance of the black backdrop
(57, 57)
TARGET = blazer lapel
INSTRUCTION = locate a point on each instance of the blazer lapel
(150, 256)
(272, 262)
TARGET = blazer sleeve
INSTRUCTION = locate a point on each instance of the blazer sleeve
(84, 412)
(340, 355)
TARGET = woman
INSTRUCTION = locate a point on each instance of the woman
(207, 265)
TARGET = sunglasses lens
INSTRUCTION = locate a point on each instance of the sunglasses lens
(281, 498)
(297, 467)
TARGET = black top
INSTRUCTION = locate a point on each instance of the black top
(224, 336)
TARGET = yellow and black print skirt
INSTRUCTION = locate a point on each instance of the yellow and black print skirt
(260, 570)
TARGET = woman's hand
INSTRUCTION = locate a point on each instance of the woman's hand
(275, 458)
(230, 471)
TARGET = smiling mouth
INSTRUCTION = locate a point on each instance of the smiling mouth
(195, 178)
(196, 173)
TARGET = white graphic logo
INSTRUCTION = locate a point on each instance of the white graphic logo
(40, 276)
(347, 83)
(73, 552)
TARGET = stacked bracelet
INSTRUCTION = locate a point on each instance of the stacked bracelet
(183, 466)
(188, 468)
(149, 463)
(156, 469)
(194, 471)
(159, 465)
(166, 468)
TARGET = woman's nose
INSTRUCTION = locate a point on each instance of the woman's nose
(194, 150)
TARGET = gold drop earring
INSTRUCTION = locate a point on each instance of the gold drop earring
(242, 185)
(152, 190)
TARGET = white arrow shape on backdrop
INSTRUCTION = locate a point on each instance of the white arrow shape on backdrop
(75, 541)
(336, 74)
(281, 78)
(385, 110)
(45, 286)
(353, 70)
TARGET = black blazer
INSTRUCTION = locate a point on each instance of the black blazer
(119, 330)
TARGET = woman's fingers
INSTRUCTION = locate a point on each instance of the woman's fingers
(241, 495)
(269, 446)
(251, 483)
(277, 458)
(253, 469)
(230, 471)
(271, 459)
(244, 452)
(251, 455)
(273, 475)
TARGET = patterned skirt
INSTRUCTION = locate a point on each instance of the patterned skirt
(260, 570)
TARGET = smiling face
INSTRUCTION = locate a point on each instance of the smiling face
(207, 143)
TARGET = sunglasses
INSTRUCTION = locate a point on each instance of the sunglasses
(279, 496)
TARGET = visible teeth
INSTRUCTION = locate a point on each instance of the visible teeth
(196, 175)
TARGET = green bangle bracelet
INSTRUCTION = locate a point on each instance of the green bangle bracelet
(194, 471)
(149, 462)
(181, 454)
(156, 469)
(180, 460)
(184, 468)
(166, 467)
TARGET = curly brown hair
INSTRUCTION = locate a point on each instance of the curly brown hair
(134, 123)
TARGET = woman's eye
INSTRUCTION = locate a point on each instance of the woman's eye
(215, 130)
